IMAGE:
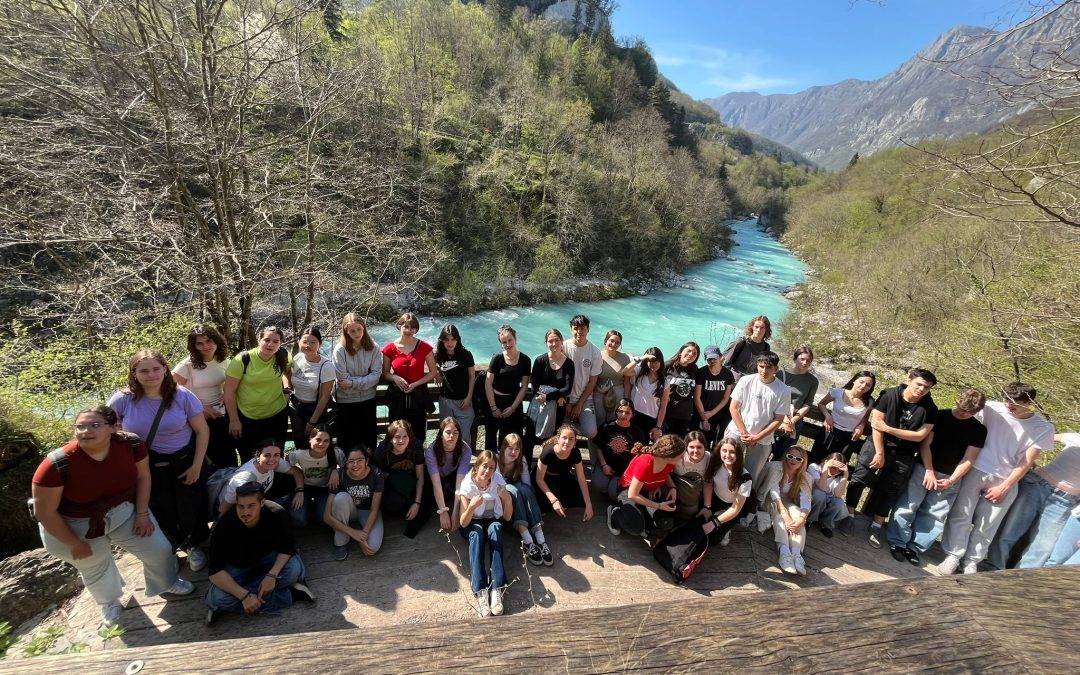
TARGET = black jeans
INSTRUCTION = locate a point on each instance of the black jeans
(885, 482)
(355, 425)
(181, 510)
(253, 431)
(221, 450)
(495, 428)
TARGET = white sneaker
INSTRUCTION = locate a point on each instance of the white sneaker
(196, 559)
(482, 606)
(948, 565)
(181, 587)
(496, 601)
(110, 613)
(727, 538)
(800, 565)
(787, 564)
(971, 567)
(764, 521)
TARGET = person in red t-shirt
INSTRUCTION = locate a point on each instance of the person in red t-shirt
(408, 365)
(646, 481)
(101, 500)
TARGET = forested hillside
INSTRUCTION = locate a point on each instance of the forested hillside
(963, 257)
(254, 160)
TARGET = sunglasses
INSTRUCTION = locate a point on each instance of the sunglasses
(794, 458)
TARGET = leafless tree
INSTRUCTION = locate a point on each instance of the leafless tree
(198, 156)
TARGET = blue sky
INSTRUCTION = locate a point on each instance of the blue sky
(711, 47)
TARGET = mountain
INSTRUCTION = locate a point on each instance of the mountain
(935, 93)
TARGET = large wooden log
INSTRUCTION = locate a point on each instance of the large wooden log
(987, 622)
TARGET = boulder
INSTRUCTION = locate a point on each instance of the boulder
(32, 582)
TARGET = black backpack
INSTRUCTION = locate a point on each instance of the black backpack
(680, 552)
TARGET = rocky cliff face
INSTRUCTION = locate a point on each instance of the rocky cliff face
(943, 91)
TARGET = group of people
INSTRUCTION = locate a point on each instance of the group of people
(672, 444)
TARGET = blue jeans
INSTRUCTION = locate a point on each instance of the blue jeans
(1066, 551)
(919, 517)
(605, 484)
(1038, 506)
(486, 532)
(826, 508)
(250, 578)
(314, 507)
(526, 508)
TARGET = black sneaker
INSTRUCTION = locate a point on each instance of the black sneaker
(898, 553)
(300, 591)
(545, 555)
(532, 552)
(912, 556)
(826, 531)
(611, 526)
(846, 526)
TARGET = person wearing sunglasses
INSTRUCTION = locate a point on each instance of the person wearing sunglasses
(786, 492)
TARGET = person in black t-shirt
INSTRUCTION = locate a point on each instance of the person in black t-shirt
(613, 444)
(253, 563)
(944, 457)
(457, 375)
(903, 417)
(505, 386)
(712, 393)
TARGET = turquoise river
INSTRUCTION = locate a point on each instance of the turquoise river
(720, 297)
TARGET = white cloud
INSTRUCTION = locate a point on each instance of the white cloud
(750, 82)
(667, 61)
(722, 70)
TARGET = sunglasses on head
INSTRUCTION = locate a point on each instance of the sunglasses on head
(795, 458)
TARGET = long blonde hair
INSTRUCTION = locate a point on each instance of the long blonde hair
(800, 472)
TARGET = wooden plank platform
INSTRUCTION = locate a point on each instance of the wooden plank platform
(984, 622)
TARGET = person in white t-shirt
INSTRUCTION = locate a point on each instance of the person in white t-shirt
(262, 468)
(1046, 497)
(485, 504)
(203, 373)
(758, 407)
(829, 481)
(588, 363)
(1015, 435)
(312, 380)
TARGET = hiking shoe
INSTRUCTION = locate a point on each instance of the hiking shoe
(787, 564)
(211, 615)
(800, 565)
(727, 538)
(825, 531)
(300, 591)
(971, 567)
(482, 606)
(196, 559)
(533, 554)
(898, 553)
(611, 521)
(496, 601)
(846, 526)
(545, 555)
(341, 552)
(876, 536)
(948, 565)
(912, 556)
(110, 613)
(181, 587)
